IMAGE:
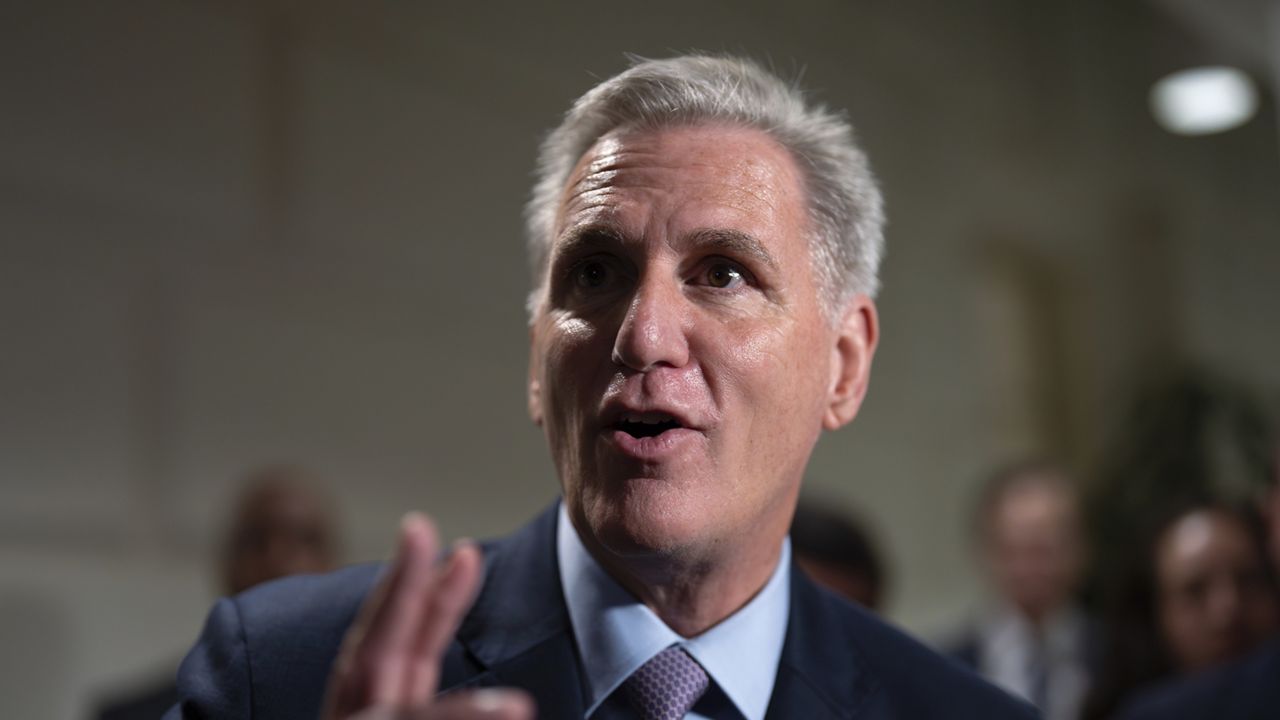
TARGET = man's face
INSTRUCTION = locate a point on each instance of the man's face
(1033, 548)
(681, 365)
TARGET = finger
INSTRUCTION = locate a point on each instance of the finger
(488, 704)
(376, 651)
(388, 645)
(454, 594)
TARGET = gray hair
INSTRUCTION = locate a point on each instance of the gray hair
(845, 205)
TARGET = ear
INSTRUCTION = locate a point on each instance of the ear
(535, 375)
(856, 338)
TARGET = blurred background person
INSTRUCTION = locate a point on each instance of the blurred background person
(839, 552)
(1033, 640)
(1243, 690)
(281, 524)
(1215, 594)
(1203, 594)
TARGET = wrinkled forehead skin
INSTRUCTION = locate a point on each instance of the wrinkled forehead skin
(763, 181)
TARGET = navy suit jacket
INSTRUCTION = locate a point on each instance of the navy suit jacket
(266, 654)
(1244, 690)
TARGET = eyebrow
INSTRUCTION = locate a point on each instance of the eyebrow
(733, 242)
(585, 239)
(726, 241)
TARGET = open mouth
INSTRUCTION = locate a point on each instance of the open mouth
(647, 425)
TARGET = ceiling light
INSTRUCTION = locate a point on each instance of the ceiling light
(1204, 100)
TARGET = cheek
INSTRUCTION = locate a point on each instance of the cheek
(571, 362)
(1183, 621)
(784, 366)
(769, 381)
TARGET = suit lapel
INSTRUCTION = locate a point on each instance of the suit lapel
(518, 631)
(821, 673)
(518, 634)
(547, 671)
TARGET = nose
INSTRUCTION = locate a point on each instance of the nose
(652, 332)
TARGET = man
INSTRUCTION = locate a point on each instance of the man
(1245, 690)
(705, 249)
(280, 525)
(1034, 642)
(837, 552)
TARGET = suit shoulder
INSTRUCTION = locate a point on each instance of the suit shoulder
(1196, 698)
(297, 623)
(916, 681)
(305, 603)
(266, 653)
(1244, 689)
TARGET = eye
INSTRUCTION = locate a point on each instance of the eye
(591, 275)
(724, 275)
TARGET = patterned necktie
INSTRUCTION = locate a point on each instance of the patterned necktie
(667, 686)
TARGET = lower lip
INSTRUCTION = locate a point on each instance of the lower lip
(652, 448)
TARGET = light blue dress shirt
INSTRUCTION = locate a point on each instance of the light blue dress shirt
(616, 633)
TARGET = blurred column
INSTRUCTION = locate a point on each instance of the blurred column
(1020, 300)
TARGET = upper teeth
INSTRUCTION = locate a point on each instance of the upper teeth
(649, 418)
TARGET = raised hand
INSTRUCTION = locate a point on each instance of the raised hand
(389, 665)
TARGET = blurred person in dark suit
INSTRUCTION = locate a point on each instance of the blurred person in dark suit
(705, 242)
(838, 552)
(281, 524)
(1220, 600)
(1035, 640)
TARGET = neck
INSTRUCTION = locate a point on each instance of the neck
(693, 594)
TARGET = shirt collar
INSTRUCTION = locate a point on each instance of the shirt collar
(1058, 634)
(616, 633)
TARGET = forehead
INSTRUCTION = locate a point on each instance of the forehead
(1034, 502)
(696, 175)
(1202, 536)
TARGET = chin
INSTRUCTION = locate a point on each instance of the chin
(649, 518)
